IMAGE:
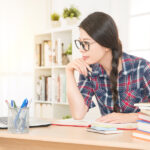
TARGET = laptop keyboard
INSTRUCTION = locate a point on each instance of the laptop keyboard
(3, 120)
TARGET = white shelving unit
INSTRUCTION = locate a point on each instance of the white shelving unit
(52, 108)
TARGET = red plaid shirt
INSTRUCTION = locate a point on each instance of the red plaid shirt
(133, 85)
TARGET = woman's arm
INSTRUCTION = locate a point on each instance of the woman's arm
(77, 106)
(119, 118)
(75, 98)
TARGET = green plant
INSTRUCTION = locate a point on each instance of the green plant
(71, 12)
(66, 117)
(55, 17)
(69, 50)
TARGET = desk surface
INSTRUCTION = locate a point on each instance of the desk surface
(61, 136)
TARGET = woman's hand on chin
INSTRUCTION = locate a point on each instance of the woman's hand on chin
(118, 118)
(80, 65)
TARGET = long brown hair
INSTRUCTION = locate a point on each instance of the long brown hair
(102, 28)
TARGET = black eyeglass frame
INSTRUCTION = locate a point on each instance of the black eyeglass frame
(82, 43)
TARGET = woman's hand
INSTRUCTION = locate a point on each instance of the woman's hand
(118, 118)
(80, 65)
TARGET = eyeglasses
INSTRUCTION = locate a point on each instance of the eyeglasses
(85, 45)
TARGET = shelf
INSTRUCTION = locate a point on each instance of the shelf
(55, 30)
(51, 67)
(48, 102)
(53, 74)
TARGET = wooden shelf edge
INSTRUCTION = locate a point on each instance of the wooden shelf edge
(48, 102)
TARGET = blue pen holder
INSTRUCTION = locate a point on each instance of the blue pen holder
(18, 120)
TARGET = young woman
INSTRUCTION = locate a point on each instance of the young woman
(116, 79)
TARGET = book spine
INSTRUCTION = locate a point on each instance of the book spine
(43, 88)
(54, 88)
(63, 88)
(47, 53)
(49, 94)
(59, 52)
(42, 54)
(58, 88)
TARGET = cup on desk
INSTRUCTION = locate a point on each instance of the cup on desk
(18, 120)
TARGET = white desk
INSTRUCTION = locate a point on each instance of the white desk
(68, 138)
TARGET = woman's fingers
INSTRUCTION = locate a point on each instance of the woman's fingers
(78, 69)
(88, 67)
(83, 67)
(107, 118)
(80, 65)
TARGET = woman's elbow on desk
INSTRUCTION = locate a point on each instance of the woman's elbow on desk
(78, 113)
(77, 116)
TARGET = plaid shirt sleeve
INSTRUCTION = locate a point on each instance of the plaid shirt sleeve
(86, 89)
(146, 79)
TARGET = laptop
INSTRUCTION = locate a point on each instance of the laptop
(33, 122)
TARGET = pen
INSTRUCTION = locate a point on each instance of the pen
(7, 103)
(13, 104)
(24, 104)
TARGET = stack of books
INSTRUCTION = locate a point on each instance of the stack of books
(104, 129)
(111, 128)
(143, 122)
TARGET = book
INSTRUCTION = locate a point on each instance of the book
(141, 135)
(49, 94)
(104, 131)
(143, 125)
(47, 53)
(124, 126)
(89, 123)
(59, 50)
(62, 88)
(142, 104)
(145, 111)
(38, 54)
(144, 107)
(142, 116)
(58, 88)
(71, 122)
(43, 88)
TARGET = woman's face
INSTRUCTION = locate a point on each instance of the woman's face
(95, 53)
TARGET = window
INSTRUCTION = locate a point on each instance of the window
(139, 28)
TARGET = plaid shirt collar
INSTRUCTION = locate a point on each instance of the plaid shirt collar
(127, 67)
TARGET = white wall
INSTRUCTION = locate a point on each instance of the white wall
(19, 21)
(119, 10)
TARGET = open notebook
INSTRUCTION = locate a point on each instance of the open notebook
(88, 123)
(33, 122)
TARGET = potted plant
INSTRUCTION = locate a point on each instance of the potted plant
(71, 15)
(68, 52)
(55, 20)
